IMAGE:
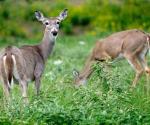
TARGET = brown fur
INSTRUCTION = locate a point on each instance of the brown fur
(27, 63)
(131, 44)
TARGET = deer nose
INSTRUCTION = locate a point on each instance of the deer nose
(54, 33)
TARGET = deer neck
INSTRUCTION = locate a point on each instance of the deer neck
(47, 44)
(87, 70)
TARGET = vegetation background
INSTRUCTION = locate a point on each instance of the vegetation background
(106, 99)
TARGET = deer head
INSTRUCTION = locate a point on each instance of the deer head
(78, 80)
(51, 24)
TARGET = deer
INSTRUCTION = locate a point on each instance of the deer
(132, 45)
(27, 63)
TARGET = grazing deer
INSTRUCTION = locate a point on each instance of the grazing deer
(132, 45)
(27, 63)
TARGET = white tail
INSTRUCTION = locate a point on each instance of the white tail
(27, 63)
(130, 44)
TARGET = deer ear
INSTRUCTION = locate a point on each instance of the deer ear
(75, 73)
(63, 14)
(39, 16)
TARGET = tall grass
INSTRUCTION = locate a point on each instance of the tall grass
(106, 99)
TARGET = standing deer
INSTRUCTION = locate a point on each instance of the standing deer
(27, 63)
(132, 45)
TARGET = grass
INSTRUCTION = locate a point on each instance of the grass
(106, 99)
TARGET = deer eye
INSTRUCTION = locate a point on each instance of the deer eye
(47, 23)
(58, 22)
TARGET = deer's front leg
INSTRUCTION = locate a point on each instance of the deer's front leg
(37, 74)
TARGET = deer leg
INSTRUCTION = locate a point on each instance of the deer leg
(6, 85)
(144, 64)
(23, 85)
(6, 89)
(134, 62)
(37, 85)
(37, 74)
(147, 70)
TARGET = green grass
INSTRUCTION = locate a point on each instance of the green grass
(106, 99)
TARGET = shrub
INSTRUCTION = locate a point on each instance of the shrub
(91, 16)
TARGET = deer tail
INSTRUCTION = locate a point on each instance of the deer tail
(8, 65)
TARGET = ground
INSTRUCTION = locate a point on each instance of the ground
(106, 99)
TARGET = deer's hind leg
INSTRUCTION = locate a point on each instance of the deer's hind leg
(134, 62)
(23, 86)
(6, 87)
(37, 74)
(3, 77)
(142, 58)
(19, 75)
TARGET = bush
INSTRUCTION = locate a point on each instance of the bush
(92, 16)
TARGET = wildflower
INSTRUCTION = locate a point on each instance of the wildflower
(58, 62)
(81, 42)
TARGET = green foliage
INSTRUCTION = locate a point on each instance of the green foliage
(89, 16)
(106, 99)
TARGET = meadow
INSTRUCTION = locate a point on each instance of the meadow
(107, 98)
